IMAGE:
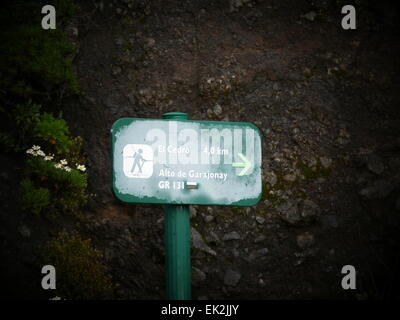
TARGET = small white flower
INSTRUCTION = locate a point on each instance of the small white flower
(30, 151)
(56, 298)
(81, 167)
(64, 162)
(58, 165)
(48, 158)
(68, 169)
(41, 153)
(36, 148)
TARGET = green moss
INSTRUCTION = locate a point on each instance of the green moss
(81, 273)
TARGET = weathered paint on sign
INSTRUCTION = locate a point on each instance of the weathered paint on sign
(186, 162)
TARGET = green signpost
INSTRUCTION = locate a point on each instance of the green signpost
(178, 162)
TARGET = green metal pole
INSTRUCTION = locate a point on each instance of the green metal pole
(177, 243)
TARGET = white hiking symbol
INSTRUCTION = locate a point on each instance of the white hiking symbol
(138, 161)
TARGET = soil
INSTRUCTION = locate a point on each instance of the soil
(327, 103)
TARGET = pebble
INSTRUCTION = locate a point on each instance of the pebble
(271, 178)
(310, 16)
(379, 189)
(289, 177)
(193, 212)
(260, 220)
(198, 242)
(198, 276)
(24, 231)
(232, 278)
(289, 211)
(260, 238)
(305, 240)
(375, 164)
(231, 236)
(258, 254)
(116, 70)
(310, 209)
(217, 110)
(325, 162)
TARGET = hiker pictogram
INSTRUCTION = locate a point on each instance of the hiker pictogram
(138, 161)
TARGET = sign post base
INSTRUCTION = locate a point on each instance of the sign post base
(177, 247)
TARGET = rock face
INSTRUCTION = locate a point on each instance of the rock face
(158, 64)
(232, 278)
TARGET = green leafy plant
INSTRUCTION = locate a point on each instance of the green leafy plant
(54, 131)
(81, 273)
(46, 170)
(34, 199)
(67, 182)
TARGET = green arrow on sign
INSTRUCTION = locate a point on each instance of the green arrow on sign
(246, 164)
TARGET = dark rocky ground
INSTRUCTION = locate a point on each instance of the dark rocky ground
(327, 103)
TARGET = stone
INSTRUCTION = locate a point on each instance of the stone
(289, 177)
(116, 70)
(150, 42)
(208, 218)
(330, 221)
(231, 236)
(325, 162)
(271, 178)
(310, 16)
(258, 254)
(232, 278)
(260, 220)
(198, 276)
(289, 211)
(260, 238)
(193, 212)
(375, 164)
(24, 231)
(198, 242)
(217, 110)
(212, 237)
(305, 240)
(379, 189)
(310, 209)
